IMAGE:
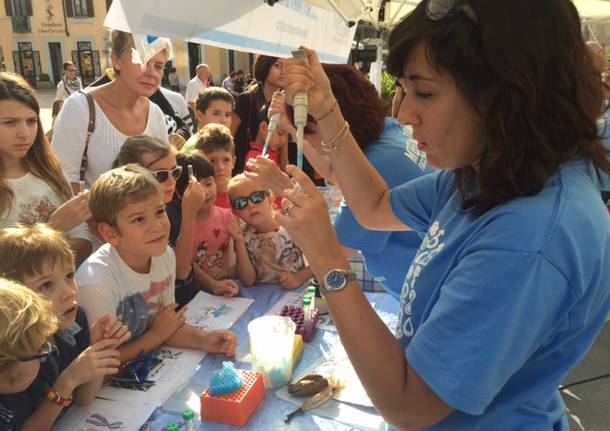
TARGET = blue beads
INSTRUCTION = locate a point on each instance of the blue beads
(225, 380)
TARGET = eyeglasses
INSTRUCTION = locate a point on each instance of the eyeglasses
(438, 10)
(255, 198)
(46, 349)
(162, 175)
(71, 70)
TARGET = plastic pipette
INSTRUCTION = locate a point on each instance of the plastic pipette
(299, 103)
(273, 123)
(190, 171)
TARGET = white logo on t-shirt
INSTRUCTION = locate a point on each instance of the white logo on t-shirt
(430, 247)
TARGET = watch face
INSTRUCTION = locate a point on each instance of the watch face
(335, 280)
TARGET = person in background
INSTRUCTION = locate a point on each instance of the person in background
(174, 82)
(200, 82)
(277, 151)
(269, 77)
(216, 144)
(509, 288)
(214, 106)
(57, 105)
(69, 84)
(122, 110)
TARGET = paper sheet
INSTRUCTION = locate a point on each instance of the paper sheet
(210, 312)
(104, 415)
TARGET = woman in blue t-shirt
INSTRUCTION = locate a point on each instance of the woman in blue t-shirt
(510, 285)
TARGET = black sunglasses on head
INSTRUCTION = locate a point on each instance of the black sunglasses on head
(162, 175)
(255, 198)
(46, 349)
(438, 10)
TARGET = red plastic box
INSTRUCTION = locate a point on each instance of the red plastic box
(237, 407)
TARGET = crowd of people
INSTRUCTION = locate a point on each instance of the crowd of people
(483, 218)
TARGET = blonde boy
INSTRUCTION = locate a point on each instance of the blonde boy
(265, 252)
(216, 143)
(41, 259)
(133, 274)
(26, 322)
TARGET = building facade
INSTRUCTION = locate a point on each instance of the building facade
(38, 36)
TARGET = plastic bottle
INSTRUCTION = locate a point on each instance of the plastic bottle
(172, 427)
(188, 416)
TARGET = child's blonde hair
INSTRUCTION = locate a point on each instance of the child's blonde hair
(26, 321)
(215, 137)
(24, 251)
(239, 179)
(118, 188)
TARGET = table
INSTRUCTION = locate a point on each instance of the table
(272, 411)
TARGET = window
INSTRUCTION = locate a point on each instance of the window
(79, 8)
(18, 7)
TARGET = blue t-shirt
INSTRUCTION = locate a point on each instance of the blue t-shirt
(497, 309)
(16, 408)
(605, 132)
(387, 254)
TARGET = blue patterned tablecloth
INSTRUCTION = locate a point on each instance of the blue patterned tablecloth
(271, 413)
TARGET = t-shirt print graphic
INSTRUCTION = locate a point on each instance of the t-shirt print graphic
(430, 247)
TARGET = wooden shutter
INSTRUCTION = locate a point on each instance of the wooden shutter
(90, 8)
(28, 8)
(69, 8)
(8, 6)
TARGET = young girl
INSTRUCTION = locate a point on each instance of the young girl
(210, 248)
(160, 158)
(33, 188)
(265, 252)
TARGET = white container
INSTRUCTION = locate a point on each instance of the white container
(271, 344)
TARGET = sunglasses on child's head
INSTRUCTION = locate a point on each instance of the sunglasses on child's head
(162, 175)
(255, 198)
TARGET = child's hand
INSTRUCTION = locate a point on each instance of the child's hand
(289, 280)
(217, 273)
(193, 197)
(234, 229)
(71, 213)
(109, 327)
(167, 321)
(226, 288)
(100, 359)
(220, 341)
(278, 105)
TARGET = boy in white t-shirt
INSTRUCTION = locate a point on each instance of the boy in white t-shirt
(133, 274)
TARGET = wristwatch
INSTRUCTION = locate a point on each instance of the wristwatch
(335, 280)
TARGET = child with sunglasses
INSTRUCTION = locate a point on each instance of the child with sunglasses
(265, 252)
(76, 357)
(159, 157)
(207, 229)
(26, 322)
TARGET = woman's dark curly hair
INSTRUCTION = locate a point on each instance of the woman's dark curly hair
(524, 68)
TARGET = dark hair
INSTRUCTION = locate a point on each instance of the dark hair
(361, 105)
(68, 64)
(215, 137)
(57, 105)
(210, 94)
(136, 146)
(40, 160)
(202, 168)
(524, 69)
(262, 66)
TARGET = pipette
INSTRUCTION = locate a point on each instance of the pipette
(299, 103)
(190, 172)
(274, 121)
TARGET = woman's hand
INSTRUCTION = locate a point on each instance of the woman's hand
(268, 174)
(278, 105)
(72, 213)
(310, 77)
(305, 217)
